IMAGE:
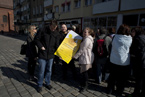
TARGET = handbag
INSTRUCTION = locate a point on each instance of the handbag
(23, 48)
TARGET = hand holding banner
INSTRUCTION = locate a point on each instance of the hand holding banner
(69, 46)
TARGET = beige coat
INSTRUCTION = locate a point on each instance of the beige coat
(85, 54)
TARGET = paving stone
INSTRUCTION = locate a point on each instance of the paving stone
(61, 91)
(37, 95)
(47, 95)
(102, 96)
(66, 94)
(90, 95)
(81, 95)
(57, 94)
(15, 95)
(52, 91)
(70, 96)
(97, 93)
(75, 93)
(33, 92)
(13, 91)
(24, 92)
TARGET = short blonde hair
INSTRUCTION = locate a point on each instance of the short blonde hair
(31, 28)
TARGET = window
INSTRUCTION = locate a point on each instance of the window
(130, 20)
(68, 6)
(63, 8)
(56, 9)
(5, 18)
(34, 11)
(112, 21)
(102, 21)
(88, 2)
(40, 9)
(77, 3)
(142, 20)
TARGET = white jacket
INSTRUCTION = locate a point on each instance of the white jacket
(120, 50)
(85, 53)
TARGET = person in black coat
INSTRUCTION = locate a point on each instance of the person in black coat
(138, 50)
(47, 41)
(64, 31)
(31, 51)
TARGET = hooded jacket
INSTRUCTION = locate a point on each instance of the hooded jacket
(49, 40)
(85, 53)
(120, 50)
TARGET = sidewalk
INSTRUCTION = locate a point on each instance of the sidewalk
(13, 76)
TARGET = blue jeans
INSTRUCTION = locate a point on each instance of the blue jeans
(45, 66)
(100, 63)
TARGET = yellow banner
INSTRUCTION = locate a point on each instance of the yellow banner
(69, 46)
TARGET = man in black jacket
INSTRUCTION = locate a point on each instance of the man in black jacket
(47, 41)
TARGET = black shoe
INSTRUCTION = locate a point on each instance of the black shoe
(39, 89)
(83, 89)
(49, 87)
(109, 91)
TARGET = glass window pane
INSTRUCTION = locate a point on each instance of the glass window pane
(102, 21)
(112, 21)
(130, 20)
(142, 20)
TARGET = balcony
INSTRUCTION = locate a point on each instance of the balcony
(19, 13)
(47, 3)
(104, 7)
(48, 17)
(132, 4)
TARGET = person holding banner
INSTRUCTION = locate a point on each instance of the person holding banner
(86, 56)
(47, 41)
(64, 31)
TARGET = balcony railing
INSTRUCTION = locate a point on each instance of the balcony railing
(47, 3)
(103, 7)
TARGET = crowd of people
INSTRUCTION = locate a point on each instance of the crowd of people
(111, 55)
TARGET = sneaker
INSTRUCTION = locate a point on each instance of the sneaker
(49, 87)
(39, 89)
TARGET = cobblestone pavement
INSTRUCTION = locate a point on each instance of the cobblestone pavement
(14, 78)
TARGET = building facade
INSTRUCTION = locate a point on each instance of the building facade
(117, 12)
(37, 12)
(21, 14)
(72, 12)
(6, 16)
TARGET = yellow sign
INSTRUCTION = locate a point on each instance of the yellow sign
(69, 46)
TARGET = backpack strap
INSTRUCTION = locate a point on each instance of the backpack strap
(105, 37)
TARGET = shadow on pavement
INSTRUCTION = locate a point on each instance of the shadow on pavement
(18, 76)
(16, 36)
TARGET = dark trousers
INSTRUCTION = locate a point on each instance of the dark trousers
(118, 76)
(65, 67)
(84, 79)
(55, 62)
(140, 82)
(31, 66)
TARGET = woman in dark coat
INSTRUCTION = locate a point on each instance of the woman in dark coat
(138, 50)
(31, 52)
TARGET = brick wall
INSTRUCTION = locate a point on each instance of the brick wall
(6, 8)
